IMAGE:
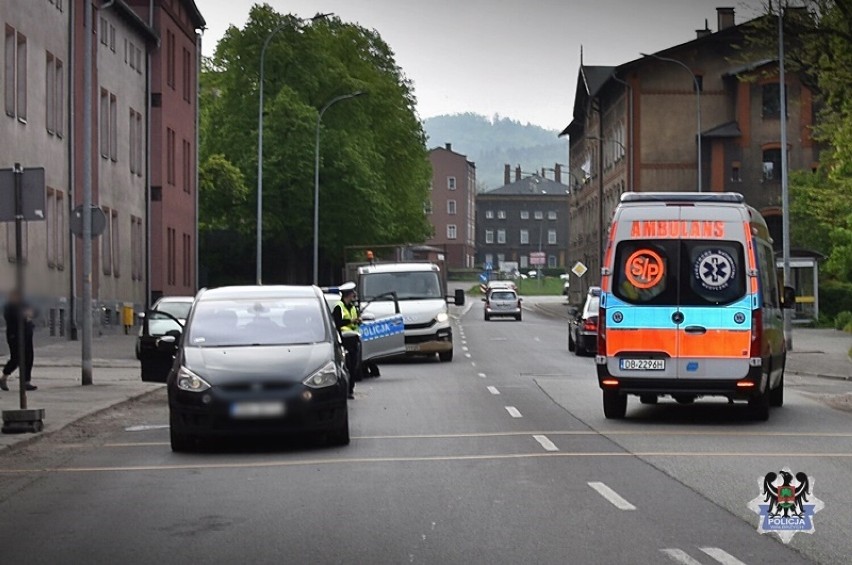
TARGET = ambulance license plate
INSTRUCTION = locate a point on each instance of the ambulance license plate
(642, 364)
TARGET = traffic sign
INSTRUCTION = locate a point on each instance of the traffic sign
(483, 277)
(538, 258)
(98, 221)
(489, 266)
(579, 269)
(32, 194)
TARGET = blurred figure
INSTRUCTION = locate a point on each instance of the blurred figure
(16, 308)
(347, 319)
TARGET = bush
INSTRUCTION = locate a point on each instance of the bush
(842, 320)
(835, 297)
(848, 328)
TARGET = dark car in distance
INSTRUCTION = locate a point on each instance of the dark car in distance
(583, 327)
(254, 361)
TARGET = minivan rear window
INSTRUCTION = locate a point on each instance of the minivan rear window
(675, 272)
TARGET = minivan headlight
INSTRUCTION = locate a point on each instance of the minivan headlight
(442, 317)
(326, 376)
(190, 382)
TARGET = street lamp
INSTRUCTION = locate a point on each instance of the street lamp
(697, 104)
(331, 103)
(260, 144)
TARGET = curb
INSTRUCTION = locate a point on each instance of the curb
(4, 450)
(822, 376)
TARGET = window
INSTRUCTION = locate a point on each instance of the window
(551, 215)
(21, 79)
(551, 237)
(501, 236)
(55, 227)
(771, 164)
(451, 183)
(187, 75)
(525, 261)
(132, 56)
(138, 51)
(170, 59)
(50, 94)
(106, 244)
(551, 261)
(451, 207)
(137, 248)
(170, 256)
(525, 215)
(112, 38)
(113, 128)
(501, 214)
(59, 98)
(427, 208)
(140, 145)
(116, 243)
(489, 214)
(170, 156)
(489, 236)
(187, 167)
(772, 100)
(126, 51)
(501, 257)
(451, 231)
(103, 31)
(132, 130)
(735, 172)
(10, 242)
(525, 237)
(187, 260)
(51, 230)
(9, 71)
(104, 124)
(768, 278)
(539, 215)
(489, 258)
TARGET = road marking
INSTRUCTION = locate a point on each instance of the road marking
(721, 556)
(546, 443)
(464, 347)
(680, 556)
(467, 355)
(481, 375)
(493, 390)
(145, 428)
(473, 363)
(612, 496)
(513, 412)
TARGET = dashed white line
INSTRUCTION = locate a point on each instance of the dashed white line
(481, 375)
(546, 443)
(513, 412)
(493, 390)
(473, 363)
(721, 556)
(680, 556)
(467, 355)
(464, 348)
(612, 496)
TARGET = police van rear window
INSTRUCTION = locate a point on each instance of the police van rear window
(679, 272)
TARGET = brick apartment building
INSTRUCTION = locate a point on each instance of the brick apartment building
(634, 128)
(42, 125)
(525, 215)
(451, 207)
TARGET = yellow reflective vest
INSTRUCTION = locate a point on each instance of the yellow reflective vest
(349, 313)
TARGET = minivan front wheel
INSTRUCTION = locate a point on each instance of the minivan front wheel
(446, 356)
(614, 405)
(181, 442)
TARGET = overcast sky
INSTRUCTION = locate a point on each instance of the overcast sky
(516, 58)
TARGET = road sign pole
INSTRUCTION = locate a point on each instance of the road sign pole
(19, 276)
(86, 346)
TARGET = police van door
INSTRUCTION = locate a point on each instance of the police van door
(382, 338)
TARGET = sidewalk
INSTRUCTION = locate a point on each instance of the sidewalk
(65, 400)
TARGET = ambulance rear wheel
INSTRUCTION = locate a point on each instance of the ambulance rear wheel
(614, 405)
(776, 397)
(758, 406)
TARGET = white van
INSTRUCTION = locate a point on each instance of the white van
(690, 303)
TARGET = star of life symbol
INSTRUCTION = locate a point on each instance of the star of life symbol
(715, 269)
(786, 504)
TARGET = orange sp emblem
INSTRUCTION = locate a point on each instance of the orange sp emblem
(644, 269)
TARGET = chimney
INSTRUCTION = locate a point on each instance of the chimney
(699, 33)
(507, 174)
(725, 18)
(557, 173)
(449, 146)
(518, 173)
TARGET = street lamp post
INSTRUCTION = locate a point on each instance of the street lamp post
(331, 103)
(697, 105)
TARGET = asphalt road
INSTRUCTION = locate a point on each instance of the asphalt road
(502, 456)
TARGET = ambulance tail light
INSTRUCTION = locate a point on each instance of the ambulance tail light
(602, 333)
(756, 334)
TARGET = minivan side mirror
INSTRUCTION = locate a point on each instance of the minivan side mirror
(459, 297)
(788, 301)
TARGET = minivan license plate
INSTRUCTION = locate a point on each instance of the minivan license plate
(257, 409)
(642, 364)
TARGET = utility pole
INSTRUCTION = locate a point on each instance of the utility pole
(602, 242)
(86, 364)
(785, 193)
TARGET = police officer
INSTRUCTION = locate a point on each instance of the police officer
(347, 319)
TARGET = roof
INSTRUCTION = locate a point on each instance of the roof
(259, 292)
(132, 18)
(748, 67)
(398, 268)
(529, 186)
(590, 79)
(730, 129)
(195, 14)
(443, 148)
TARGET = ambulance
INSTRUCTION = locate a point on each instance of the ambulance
(691, 304)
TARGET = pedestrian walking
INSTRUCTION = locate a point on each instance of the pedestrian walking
(347, 321)
(14, 309)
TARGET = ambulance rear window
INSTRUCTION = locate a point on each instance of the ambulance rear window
(673, 272)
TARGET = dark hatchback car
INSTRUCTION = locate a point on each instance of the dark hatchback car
(583, 327)
(255, 361)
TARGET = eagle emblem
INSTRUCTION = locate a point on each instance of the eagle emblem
(786, 504)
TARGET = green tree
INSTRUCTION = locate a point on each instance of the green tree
(374, 172)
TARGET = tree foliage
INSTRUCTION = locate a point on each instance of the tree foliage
(374, 171)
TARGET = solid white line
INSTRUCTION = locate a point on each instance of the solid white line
(493, 390)
(721, 556)
(481, 375)
(546, 443)
(612, 496)
(680, 556)
(513, 412)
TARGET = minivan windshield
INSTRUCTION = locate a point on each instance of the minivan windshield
(251, 321)
(679, 272)
(412, 285)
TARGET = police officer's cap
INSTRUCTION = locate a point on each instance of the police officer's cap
(347, 288)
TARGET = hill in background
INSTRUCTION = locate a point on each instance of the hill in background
(493, 142)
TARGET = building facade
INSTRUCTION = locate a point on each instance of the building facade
(525, 216)
(451, 208)
(635, 128)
